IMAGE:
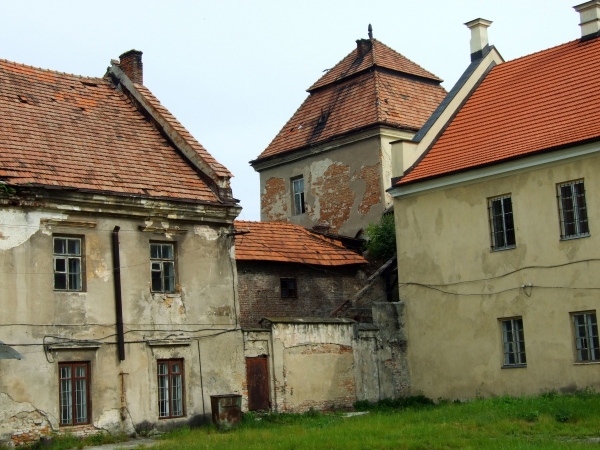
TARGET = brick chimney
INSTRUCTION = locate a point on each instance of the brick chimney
(589, 13)
(131, 64)
(363, 46)
(479, 37)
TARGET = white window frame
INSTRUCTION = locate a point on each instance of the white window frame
(160, 266)
(63, 263)
(586, 333)
(298, 195)
(581, 226)
(513, 342)
(500, 225)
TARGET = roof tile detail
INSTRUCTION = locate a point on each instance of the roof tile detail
(67, 131)
(371, 98)
(285, 242)
(380, 55)
(538, 102)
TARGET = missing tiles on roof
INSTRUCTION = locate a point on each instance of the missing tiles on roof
(89, 84)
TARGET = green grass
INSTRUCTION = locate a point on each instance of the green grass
(69, 441)
(550, 421)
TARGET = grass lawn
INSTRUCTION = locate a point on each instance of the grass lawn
(551, 421)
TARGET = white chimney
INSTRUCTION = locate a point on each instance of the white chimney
(589, 13)
(479, 37)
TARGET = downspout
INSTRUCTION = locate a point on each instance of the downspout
(118, 298)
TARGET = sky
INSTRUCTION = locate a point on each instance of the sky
(233, 72)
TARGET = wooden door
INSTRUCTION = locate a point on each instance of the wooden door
(258, 383)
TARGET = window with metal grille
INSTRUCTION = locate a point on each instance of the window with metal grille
(170, 388)
(586, 336)
(74, 393)
(288, 288)
(501, 223)
(162, 267)
(298, 195)
(572, 210)
(514, 342)
(67, 263)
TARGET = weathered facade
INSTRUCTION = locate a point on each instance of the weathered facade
(118, 280)
(496, 225)
(330, 164)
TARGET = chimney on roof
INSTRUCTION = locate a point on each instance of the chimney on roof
(363, 46)
(131, 64)
(479, 37)
(589, 13)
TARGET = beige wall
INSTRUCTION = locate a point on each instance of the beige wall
(197, 323)
(454, 341)
(344, 185)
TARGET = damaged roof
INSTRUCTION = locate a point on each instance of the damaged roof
(540, 102)
(59, 130)
(373, 85)
(285, 242)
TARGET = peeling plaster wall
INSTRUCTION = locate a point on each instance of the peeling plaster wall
(344, 186)
(203, 312)
(455, 340)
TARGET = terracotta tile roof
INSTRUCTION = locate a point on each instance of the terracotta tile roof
(285, 242)
(380, 55)
(350, 97)
(531, 104)
(67, 131)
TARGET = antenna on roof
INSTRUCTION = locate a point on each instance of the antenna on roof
(370, 31)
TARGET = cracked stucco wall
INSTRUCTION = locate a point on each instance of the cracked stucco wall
(197, 323)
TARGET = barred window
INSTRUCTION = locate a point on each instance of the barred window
(74, 393)
(162, 267)
(298, 195)
(288, 288)
(572, 210)
(170, 388)
(586, 337)
(514, 342)
(501, 223)
(67, 263)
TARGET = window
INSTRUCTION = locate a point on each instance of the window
(74, 393)
(162, 267)
(67, 263)
(298, 193)
(501, 223)
(170, 388)
(288, 288)
(514, 342)
(586, 337)
(572, 210)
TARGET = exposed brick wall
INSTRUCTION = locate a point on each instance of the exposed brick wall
(320, 290)
(372, 177)
(273, 201)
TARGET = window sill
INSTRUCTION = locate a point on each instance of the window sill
(515, 366)
(174, 417)
(586, 363)
(579, 236)
(501, 249)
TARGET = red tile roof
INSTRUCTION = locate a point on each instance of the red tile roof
(383, 87)
(67, 131)
(285, 242)
(538, 102)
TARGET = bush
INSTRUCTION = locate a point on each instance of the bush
(381, 238)
(563, 416)
(388, 404)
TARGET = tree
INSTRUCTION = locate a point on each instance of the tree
(381, 238)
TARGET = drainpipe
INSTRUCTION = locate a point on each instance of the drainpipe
(118, 298)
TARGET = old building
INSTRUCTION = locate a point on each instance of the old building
(118, 280)
(291, 281)
(497, 214)
(330, 164)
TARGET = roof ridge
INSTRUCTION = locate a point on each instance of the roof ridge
(541, 51)
(2, 60)
(433, 76)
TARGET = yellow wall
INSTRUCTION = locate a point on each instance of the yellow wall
(455, 341)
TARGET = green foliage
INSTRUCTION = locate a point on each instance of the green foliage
(70, 441)
(387, 404)
(6, 190)
(381, 238)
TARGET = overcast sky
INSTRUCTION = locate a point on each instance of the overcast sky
(233, 72)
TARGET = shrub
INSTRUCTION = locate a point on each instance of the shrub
(563, 416)
(381, 238)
